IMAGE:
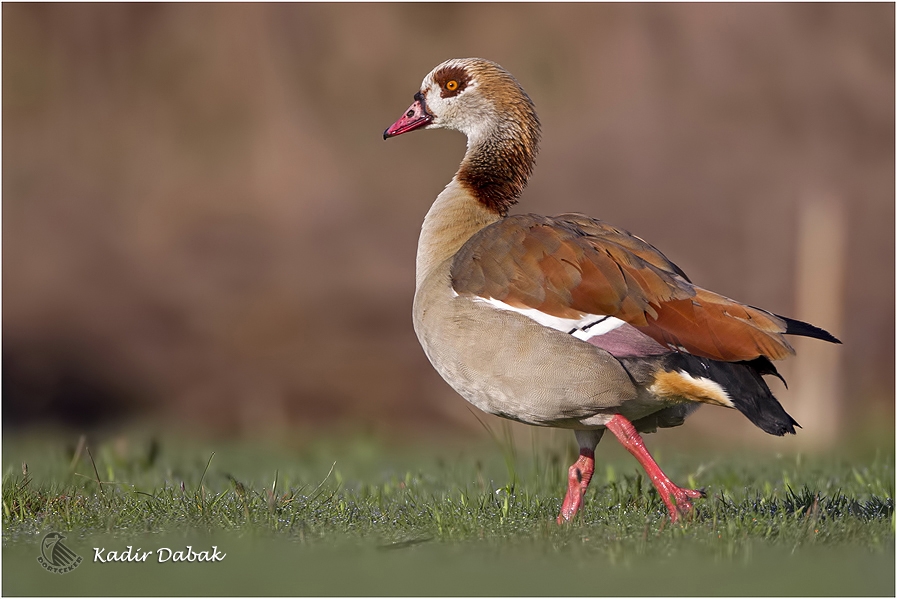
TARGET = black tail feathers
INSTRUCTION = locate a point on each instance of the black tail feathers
(805, 329)
(764, 366)
(743, 383)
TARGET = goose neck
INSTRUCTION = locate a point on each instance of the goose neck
(497, 166)
(454, 217)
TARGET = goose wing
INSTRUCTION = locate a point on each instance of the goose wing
(571, 270)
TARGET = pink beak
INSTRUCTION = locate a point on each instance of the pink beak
(414, 118)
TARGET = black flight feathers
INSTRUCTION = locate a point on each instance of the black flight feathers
(804, 329)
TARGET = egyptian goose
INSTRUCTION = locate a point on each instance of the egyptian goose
(567, 321)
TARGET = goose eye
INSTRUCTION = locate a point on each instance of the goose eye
(451, 85)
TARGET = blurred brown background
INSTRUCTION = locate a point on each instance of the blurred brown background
(203, 225)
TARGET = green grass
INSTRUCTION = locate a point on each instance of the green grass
(370, 518)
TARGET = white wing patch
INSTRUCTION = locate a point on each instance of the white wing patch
(590, 325)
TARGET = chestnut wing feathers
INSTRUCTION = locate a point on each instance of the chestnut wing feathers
(570, 266)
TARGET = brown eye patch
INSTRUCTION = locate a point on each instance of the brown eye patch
(451, 80)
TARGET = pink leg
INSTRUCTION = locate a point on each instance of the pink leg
(677, 499)
(580, 474)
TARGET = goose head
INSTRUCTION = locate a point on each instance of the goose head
(482, 100)
(472, 95)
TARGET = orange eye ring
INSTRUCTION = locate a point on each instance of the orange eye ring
(451, 85)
